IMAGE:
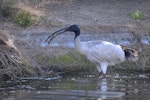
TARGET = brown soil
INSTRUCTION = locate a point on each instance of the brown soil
(95, 13)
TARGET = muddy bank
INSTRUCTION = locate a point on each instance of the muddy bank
(98, 20)
(121, 36)
(61, 57)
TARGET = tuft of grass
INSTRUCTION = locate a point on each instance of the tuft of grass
(137, 15)
(5, 12)
(6, 6)
(69, 62)
(24, 18)
(67, 59)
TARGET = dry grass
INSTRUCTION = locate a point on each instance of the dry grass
(142, 65)
(12, 64)
(144, 56)
(68, 61)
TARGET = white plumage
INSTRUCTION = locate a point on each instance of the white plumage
(101, 53)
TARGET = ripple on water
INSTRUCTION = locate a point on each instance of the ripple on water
(86, 87)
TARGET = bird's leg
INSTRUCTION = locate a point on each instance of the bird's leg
(104, 68)
(101, 75)
(100, 72)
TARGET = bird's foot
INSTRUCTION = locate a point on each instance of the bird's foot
(101, 75)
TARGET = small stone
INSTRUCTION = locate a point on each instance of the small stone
(136, 91)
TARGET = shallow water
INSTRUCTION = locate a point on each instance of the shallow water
(81, 87)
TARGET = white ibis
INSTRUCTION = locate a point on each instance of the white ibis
(101, 53)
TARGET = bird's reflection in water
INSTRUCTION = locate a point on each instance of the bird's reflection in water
(103, 88)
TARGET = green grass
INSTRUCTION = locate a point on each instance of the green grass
(21, 17)
(69, 62)
(137, 15)
(5, 12)
(6, 7)
(67, 59)
(24, 18)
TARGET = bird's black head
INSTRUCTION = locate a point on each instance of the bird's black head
(73, 28)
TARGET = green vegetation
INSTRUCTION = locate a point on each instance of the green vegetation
(138, 15)
(5, 12)
(24, 18)
(6, 6)
(69, 62)
(67, 58)
(21, 17)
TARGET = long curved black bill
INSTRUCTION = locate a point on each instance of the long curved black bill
(53, 35)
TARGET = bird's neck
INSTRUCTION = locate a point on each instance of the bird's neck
(79, 45)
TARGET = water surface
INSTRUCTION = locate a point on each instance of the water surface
(81, 87)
